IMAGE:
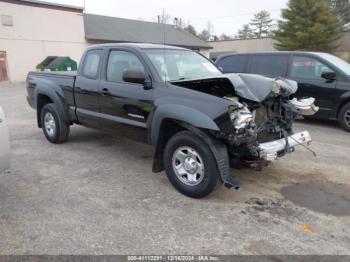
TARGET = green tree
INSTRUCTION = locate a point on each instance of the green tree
(308, 25)
(341, 9)
(204, 35)
(245, 33)
(262, 24)
(191, 29)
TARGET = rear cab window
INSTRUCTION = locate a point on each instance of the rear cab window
(92, 63)
(233, 64)
(269, 64)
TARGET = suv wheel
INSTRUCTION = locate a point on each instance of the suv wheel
(344, 117)
(53, 125)
(190, 165)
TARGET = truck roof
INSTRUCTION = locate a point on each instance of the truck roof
(138, 45)
(271, 53)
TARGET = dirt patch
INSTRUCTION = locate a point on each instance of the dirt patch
(270, 210)
(328, 198)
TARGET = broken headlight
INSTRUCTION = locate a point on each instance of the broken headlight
(241, 117)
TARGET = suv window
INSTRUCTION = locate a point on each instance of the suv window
(307, 67)
(118, 62)
(91, 64)
(233, 64)
(268, 65)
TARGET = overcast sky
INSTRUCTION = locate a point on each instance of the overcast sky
(227, 16)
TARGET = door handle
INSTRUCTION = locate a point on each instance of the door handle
(105, 92)
(80, 90)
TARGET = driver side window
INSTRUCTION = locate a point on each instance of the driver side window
(308, 67)
(118, 62)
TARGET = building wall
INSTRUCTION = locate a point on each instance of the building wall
(243, 46)
(36, 33)
(343, 50)
(267, 44)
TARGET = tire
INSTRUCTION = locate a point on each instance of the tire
(198, 175)
(344, 117)
(53, 125)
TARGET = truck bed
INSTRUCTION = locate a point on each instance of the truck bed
(59, 82)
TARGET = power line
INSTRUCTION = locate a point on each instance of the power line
(230, 16)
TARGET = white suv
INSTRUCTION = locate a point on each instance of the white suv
(4, 143)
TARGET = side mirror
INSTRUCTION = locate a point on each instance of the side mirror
(135, 76)
(330, 76)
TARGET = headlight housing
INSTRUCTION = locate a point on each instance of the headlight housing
(241, 117)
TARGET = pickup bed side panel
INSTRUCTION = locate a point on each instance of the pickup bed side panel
(58, 89)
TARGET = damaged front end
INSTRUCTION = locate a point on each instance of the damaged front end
(257, 127)
(270, 121)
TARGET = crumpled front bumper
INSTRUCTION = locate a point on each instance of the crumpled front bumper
(270, 151)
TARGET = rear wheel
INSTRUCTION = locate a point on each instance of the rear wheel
(53, 125)
(190, 165)
(344, 117)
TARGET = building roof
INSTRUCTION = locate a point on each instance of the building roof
(137, 45)
(44, 4)
(115, 29)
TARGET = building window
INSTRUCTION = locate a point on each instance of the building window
(6, 20)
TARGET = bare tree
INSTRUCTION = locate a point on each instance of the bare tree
(164, 17)
(225, 37)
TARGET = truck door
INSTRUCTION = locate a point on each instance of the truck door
(307, 71)
(86, 89)
(4, 143)
(124, 106)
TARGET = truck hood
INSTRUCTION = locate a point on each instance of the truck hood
(251, 87)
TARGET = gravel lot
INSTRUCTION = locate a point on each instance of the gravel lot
(96, 194)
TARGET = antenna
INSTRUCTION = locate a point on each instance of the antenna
(164, 51)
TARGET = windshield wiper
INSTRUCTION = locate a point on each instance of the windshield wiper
(180, 79)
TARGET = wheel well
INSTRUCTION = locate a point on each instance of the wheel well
(341, 105)
(168, 128)
(42, 100)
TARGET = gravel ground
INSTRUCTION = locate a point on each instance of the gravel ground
(96, 194)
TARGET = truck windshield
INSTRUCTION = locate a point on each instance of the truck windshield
(341, 64)
(181, 65)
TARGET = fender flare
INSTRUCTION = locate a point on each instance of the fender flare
(55, 93)
(344, 98)
(180, 113)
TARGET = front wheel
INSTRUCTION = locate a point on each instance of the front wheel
(344, 117)
(190, 165)
(55, 129)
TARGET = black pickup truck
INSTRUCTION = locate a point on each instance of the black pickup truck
(200, 121)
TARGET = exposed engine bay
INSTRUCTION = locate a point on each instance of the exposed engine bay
(262, 114)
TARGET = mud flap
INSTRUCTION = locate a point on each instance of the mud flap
(219, 150)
